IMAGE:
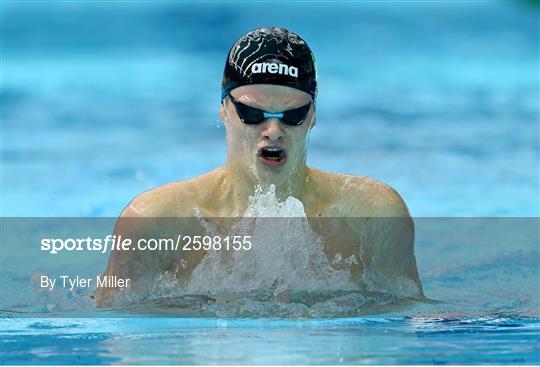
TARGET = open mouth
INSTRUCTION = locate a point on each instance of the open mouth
(273, 156)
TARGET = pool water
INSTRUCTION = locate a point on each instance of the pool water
(367, 340)
(482, 307)
(440, 100)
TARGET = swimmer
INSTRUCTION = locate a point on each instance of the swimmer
(268, 108)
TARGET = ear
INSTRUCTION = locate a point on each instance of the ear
(313, 118)
(222, 112)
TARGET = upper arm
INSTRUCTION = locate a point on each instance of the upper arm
(140, 219)
(390, 236)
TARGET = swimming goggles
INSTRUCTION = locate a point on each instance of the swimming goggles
(251, 115)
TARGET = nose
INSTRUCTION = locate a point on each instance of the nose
(272, 129)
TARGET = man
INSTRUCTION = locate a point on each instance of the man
(268, 109)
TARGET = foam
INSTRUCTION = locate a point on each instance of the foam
(284, 274)
(285, 252)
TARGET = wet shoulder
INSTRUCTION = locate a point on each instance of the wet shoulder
(361, 196)
(175, 199)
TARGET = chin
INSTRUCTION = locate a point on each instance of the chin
(273, 173)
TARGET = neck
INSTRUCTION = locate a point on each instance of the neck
(240, 183)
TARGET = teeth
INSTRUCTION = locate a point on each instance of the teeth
(272, 153)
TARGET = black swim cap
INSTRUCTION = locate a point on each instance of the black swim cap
(270, 56)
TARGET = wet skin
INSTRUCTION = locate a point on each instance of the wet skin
(387, 241)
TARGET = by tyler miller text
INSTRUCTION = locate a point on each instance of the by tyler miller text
(72, 282)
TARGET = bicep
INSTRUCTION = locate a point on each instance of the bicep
(393, 246)
(393, 254)
(390, 238)
(128, 263)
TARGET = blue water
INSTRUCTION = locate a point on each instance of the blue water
(373, 340)
(101, 101)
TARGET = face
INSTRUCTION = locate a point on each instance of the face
(271, 150)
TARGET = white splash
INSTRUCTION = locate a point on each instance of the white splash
(286, 254)
(284, 274)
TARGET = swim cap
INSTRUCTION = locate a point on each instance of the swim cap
(270, 56)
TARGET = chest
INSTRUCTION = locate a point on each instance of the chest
(341, 244)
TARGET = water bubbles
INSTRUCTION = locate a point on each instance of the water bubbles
(285, 273)
(183, 263)
(286, 253)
